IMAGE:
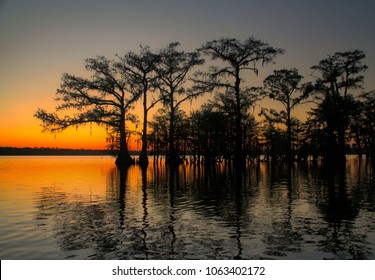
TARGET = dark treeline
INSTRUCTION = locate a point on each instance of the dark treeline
(341, 117)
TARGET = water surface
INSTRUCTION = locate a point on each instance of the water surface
(84, 207)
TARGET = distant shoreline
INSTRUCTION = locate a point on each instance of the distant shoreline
(27, 151)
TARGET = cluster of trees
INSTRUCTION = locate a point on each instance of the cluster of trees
(225, 127)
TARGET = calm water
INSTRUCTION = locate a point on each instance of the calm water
(85, 208)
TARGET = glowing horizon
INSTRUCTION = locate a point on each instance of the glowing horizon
(42, 41)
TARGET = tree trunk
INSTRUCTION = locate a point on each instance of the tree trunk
(143, 159)
(123, 157)
(341, 144)
(173, 157)
(239, 156)
(289, 131)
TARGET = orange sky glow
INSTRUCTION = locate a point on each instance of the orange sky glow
(40, 41)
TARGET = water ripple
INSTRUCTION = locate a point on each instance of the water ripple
(86, 208)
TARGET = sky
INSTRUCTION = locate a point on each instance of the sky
(41, 39)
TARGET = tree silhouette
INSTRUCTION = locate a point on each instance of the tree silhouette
(159, 133)
(339, 73)
(237, 57)
(225, 104)
(102, 99)
(282, 86)
(210, 134)
(367, 123)
(273, 139)
(173, 69)
(224, 126)
(159, 136)
(312, 139)
(139, 69)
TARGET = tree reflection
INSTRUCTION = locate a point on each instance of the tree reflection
(201, 212)
(173, 177)
(285, 238)
(339, 204)
(123, 172)
(145, 222)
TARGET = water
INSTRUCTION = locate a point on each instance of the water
(85, 208)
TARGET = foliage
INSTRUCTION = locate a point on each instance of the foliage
(237, 57)
(282, 86)
(172, 70)
(225, 126)
(102, 99)
(339, 73)
(140, 71)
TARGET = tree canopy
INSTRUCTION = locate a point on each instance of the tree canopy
(225, 127)
(103, 99)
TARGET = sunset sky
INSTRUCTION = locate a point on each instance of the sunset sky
(41, 39)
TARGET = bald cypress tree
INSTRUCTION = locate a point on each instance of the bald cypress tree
(101, 99)
(140, 72)
(284, 87)
(339, 75)
(237, 57)
(173, 69)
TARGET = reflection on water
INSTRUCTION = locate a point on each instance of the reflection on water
(87, 208)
